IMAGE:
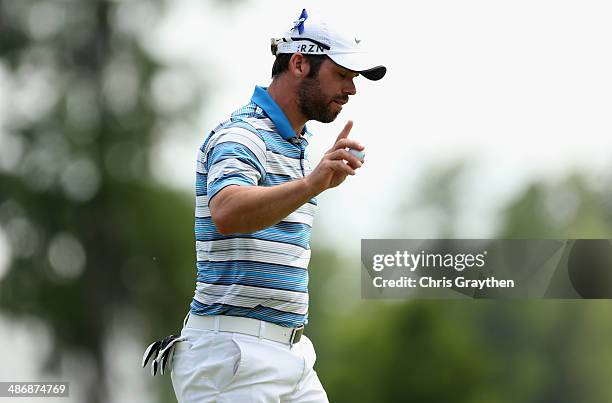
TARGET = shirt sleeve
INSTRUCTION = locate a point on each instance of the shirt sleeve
(234, 156)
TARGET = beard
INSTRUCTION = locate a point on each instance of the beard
(314, 104)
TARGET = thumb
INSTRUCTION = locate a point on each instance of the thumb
(345, 132)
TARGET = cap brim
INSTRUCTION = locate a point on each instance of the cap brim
(359, 63)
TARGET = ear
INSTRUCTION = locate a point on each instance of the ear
(298, 65)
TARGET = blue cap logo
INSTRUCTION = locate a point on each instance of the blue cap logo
(299, 23)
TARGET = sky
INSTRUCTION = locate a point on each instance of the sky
(521, 90)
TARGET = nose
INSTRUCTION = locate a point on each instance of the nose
(350, 88)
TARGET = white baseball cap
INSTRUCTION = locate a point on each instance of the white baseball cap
(318, 38)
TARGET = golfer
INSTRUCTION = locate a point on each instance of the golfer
(255, 201)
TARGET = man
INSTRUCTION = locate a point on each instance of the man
(255, 201)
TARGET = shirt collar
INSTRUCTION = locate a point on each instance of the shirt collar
(275, 113)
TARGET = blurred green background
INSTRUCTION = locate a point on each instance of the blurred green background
(97, 259)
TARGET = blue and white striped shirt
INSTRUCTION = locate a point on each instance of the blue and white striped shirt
(264, 274)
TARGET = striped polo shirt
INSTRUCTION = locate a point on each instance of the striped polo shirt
(264, 274)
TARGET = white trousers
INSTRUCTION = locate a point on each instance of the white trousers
(227, 367)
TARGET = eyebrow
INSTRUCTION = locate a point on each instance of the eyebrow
(346, 71)
(351, 72)
(343, 70)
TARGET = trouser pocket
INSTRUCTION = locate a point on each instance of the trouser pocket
(309, 352)
(234, 362)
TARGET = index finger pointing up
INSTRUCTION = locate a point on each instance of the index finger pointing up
(345, 132)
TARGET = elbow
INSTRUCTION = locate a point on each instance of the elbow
(222, 222)
(224, 230)
(226, 213)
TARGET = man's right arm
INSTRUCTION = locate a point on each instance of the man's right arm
(244, 209)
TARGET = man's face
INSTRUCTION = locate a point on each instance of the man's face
(321, 98)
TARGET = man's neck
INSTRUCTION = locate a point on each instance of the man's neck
(285, 98)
